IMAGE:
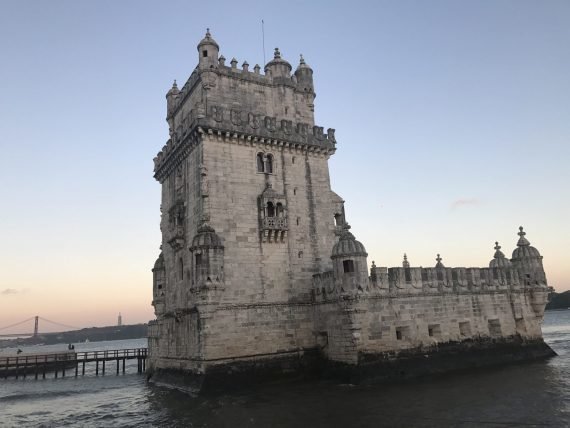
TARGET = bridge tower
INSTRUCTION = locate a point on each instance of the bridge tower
(36, 322)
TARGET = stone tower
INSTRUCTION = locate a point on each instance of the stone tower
(248, 215)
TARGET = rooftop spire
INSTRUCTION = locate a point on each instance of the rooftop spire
(302, 60)
(277, 54)
(522, 240)
(498, 253)
(405, 263)
(439, 264)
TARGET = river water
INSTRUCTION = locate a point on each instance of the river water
(525, 395)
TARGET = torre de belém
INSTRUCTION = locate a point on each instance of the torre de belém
(259, 276)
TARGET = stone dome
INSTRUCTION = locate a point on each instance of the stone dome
(208, 40)
(303, 65)
(499, 260)
(348, 246)
(159, 264)
(206, 238)
(524, 250)
(277, 60)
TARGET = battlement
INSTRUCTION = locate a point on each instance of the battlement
(248, 126)
(397, 281)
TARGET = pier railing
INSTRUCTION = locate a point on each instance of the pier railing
(60, 362)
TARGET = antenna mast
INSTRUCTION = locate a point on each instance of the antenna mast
(263, 39)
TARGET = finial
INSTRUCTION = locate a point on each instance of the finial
(405, 263)
(522, 240)
(256, 68)
(498, 253)
(302, 61)
(373, 264)
(233, 63)
(208, 35)
(439, 264)
(277, 54)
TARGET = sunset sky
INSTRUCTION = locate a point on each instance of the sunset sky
(452, 120)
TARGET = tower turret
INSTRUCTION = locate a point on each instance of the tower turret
(171, 99)
(207, 258)
(278, 68)
(528, 261)
(350, 266)
(499, 259)
(304, 75)
(208, 51)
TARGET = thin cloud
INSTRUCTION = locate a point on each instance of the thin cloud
(458, 203)
(12, 291)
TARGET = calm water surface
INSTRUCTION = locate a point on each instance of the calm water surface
(525, 395)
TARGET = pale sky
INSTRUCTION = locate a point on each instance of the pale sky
(452, 119)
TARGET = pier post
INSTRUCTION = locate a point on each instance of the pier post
(76, 365)
(117, 366)
(44, 367)
(83, 369)
(96, 367)
(103, 366)
(36, 369)
(6, 369)
(25, 367)
(124, 364)
(16, 367)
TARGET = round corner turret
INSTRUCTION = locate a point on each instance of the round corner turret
(278, 68)
(304, 76)
(208, 51)
(350, 263)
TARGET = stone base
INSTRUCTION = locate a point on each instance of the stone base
(372, 368)
(443, 358)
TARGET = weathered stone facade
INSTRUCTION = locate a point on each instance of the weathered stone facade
(258, 267)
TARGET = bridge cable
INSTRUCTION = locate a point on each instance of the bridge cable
(60, 324)
(18, 323)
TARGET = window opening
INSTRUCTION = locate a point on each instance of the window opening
(260, 162)
(348, 266)
(270, 209)
(269, 164)
(204, 54)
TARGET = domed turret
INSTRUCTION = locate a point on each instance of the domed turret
(208, 257)
(524, 250)
(278, 68)
(528, 261)
(206, 238)
(158, 282)
(304, 75)
(208, 51)
(350, 261)
(347, 245)
(499, 260)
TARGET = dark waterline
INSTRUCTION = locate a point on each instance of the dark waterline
(526, 395)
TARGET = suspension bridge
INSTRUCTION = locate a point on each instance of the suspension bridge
(36, 322)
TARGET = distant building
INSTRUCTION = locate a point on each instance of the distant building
(259, 273)
(119, 320)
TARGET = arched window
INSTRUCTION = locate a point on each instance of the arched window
(260, 165)
(269, 164)
(279, 209)
(270, 209)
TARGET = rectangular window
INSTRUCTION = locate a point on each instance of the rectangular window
(204, 54)
(198, 259)
(495, 328)
(465, 329)
(348, 266)
(434, 330)
(402, 333)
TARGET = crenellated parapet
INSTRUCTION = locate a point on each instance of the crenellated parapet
(246, 125)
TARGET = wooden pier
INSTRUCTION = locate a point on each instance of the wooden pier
(70, 363)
